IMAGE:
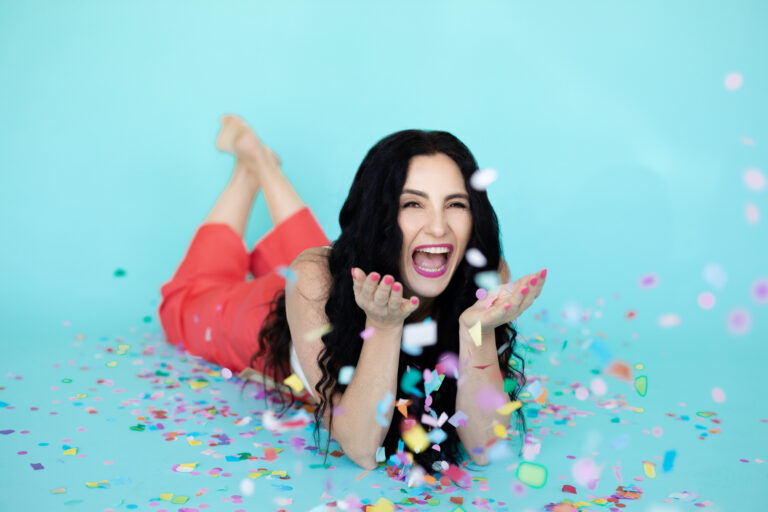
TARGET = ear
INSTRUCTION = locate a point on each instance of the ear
(503, 271)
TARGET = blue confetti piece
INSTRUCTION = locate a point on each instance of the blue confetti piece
(669, 460)
(437, 436)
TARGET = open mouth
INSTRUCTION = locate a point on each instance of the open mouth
(432, 260)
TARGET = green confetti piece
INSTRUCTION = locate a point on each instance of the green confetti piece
(147, 319)
(119, 272)
(641, 385)
(509, 385)
(66, 381)
(433, 501)
(565, 344)
(615, 420)
(138, 428)
(532, 475)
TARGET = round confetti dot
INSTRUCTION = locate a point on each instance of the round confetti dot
(657, 431)
(639, 366)
(760, 291)
(119, 272)
(482, 178)
(706, 300)
(718, 395)
(648, 281)
(581, 393)
(752, 213)
(475, 257)
(226, 373)
(739, 321)
(481, 294)
(598, 386)
(715, 275)
(733, 81)
(246, 486)
(669, 320)
(754, 179)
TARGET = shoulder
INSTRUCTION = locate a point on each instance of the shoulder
(313, 276)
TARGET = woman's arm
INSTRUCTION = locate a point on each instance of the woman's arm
(355, 423)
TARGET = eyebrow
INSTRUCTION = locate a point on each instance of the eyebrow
(422, 194)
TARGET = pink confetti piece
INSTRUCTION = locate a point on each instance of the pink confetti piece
(718, 395)
(739, 321)
(760, 291)
(733, 81)
(754, 179)
(752, 213)
(648, 281)
(706, 300)
(367, 333)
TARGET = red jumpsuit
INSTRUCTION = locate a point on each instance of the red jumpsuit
(210, 309)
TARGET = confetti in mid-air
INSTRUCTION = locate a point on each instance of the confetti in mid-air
(482, 178)
(475, 257)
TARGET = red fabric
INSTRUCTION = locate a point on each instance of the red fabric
(209, 307)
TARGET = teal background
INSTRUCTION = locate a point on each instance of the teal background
(619, 152)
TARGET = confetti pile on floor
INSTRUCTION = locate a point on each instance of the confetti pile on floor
(129, 422)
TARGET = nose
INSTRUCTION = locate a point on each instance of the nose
(436, 223)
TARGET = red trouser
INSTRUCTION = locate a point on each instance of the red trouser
(211, 309)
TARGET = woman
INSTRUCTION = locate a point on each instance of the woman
(406, 225)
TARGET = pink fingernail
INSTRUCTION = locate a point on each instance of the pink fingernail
(534, 280)
(544, 273)
(396, 287)
(508, 306)
(353, 273)
(374, 277)
(414, 300)
(388, 280)
(524, 290)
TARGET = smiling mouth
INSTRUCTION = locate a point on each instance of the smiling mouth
(432, 260)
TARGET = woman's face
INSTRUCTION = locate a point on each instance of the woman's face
(436, 223)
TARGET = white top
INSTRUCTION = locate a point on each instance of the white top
(296, 367)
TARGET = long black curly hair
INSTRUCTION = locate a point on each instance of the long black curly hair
(371, 240)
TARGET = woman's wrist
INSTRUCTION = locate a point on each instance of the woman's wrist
(383, 327)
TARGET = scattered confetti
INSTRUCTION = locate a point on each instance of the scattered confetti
(760, 291)
(733, 81)
(475, 258)
(706, 300)
(345, 374)
(532, 475)
(718, 395)
(482, 178)
(641, 385)
(739, 321)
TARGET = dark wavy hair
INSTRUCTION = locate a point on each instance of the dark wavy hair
(371, 239)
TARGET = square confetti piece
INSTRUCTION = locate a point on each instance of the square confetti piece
(36, 466)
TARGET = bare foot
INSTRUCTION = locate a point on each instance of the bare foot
(236, 137)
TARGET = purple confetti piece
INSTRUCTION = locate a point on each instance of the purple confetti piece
(6, 432)
(36, 466)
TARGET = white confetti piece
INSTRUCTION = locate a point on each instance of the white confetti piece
(482, 178)
(475, 257)
(246, 487)
(416, 336)
(733, 81)
(669, 320)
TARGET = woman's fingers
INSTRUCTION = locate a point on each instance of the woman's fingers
(370, 283)
(395, 297)
(381, 295)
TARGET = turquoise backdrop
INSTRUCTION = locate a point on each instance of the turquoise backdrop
(630, 143)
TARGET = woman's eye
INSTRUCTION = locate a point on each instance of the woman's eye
(460, 205)
(406, 205)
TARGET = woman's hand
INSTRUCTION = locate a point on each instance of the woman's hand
(383, 300)
(504, 304)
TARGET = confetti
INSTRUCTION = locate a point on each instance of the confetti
(754, 179)
(649, 468)
(641, 385)
(367, 333)
(414, 436)
(345, 374)
(532, 475)
(475, 258)
(669, 460)
(715, 275)
(760, 291)
(586, 472)
(739, 321)
(475, 333)
(488, 280)
(733, 81)
(294, 381)
(481, 293)
(510, 407)
(718, 395)
(418, 335)
(669, 320)
(648, 281)
(246, 486)
(316, 334)
(383, 505)
(119, 272)
(481, 178)
(226, 373)
(706, 300)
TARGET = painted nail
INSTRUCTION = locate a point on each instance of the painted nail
(414, 300)
(508, 306)
(544, 273)
(388, 280)
(396, 287)
(524, 290)
(534, 280)
(353, 273)
(375, 276)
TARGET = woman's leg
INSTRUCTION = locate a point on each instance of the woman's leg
(256, 167)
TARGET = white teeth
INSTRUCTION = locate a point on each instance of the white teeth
(435, 250)
(432, 269)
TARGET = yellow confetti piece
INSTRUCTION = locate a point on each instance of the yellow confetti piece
(383, 505)
(539, 337)
(280, 473)
(60, 490)
(166, 496)
(192, 442)
(112, 364)
(71, 451)
(180, 500)
(188, 466)
(81, 395)
(476, 333)
(197, 384)
(100, 483)
(123, 347)
(257, 474)
(318, 333)
(294, 382)
(510, 407)
(416, 438)
(639, 409)
(650, 469)
(500, 431)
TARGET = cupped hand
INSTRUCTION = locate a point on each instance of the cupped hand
(381, 299)
(504, 304)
